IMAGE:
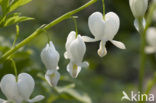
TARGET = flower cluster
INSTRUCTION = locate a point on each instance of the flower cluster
(18, 91)
(103, 28)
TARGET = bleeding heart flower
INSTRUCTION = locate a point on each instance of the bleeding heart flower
(20, 90)
(50, 57)
(75, 50)
(151, 39)
(104, 29)
(138, 7)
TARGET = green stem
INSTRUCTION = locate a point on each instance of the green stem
(142, 55)
(103, 4)
(14, 67)
(75, 23)
(17, 34)
(40, 30)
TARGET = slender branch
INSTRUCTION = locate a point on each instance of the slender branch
(103, 4)
(17, 34)
(75, 23)
(43, 28)
(14, 67)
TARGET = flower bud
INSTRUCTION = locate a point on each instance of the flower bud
(138, 7)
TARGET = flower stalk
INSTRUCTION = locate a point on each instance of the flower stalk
(42, 29)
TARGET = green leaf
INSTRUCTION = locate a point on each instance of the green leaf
(18, 3)
(82, 97)
(5, 6)
(15, 18)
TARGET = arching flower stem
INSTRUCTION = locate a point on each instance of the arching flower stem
(43, 28)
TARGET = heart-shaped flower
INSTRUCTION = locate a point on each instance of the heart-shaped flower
(20, 90)
(138, 7)
(50, 57)
(75, 50)
(151, 40)
(104, 29)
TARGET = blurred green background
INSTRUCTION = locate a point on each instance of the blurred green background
(104, 80)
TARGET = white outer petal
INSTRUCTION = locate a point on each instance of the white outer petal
(112, 24)
(36, 99)
(9, 88)
(70, 38)
(88, 39)
(138, 7)
(50, 57)
(150, 49)
(52, 77)
(26, 85)
(151, 36)
(3, 101)
(118, 44)
(96, 24)
(77, 50)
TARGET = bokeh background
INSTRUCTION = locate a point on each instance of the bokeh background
(104, 80)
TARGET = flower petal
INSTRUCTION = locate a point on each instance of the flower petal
(77, 50)
(150, 49)
(102, 49)
(112, 24)
(3, 101)
(96, 25)
(50, 56)
(26, 85)
(73, 69)
(118, 44)
(88, 39)
(151, 36)
(52, 77)
(9, 88)
(85, 64)
(136, 24)
(36, 99)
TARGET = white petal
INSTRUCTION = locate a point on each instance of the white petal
(36, 99)
(85, 64)
(52, 77)
(9, 88)
(102, 49)
(151, 36)
(73, 69)
(77, 50)
(136, 24)
(26, 85)
(118, 44)
(138, 7)
(96, 25)
(150, 49)
(88, 39)
(112, 24)
(3, 101)
(50, 57)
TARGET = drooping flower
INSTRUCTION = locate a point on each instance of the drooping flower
(20, 90)
(50, 58)
(104, 30)
(138, 7)
(75, 50)
(151, 40)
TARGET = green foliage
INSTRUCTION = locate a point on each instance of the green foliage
(8, 18)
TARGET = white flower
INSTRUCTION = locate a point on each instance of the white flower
(151, 40)
(104, 30)
(75, 50)
(50, 57)
(138, 7)
(20, 90)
